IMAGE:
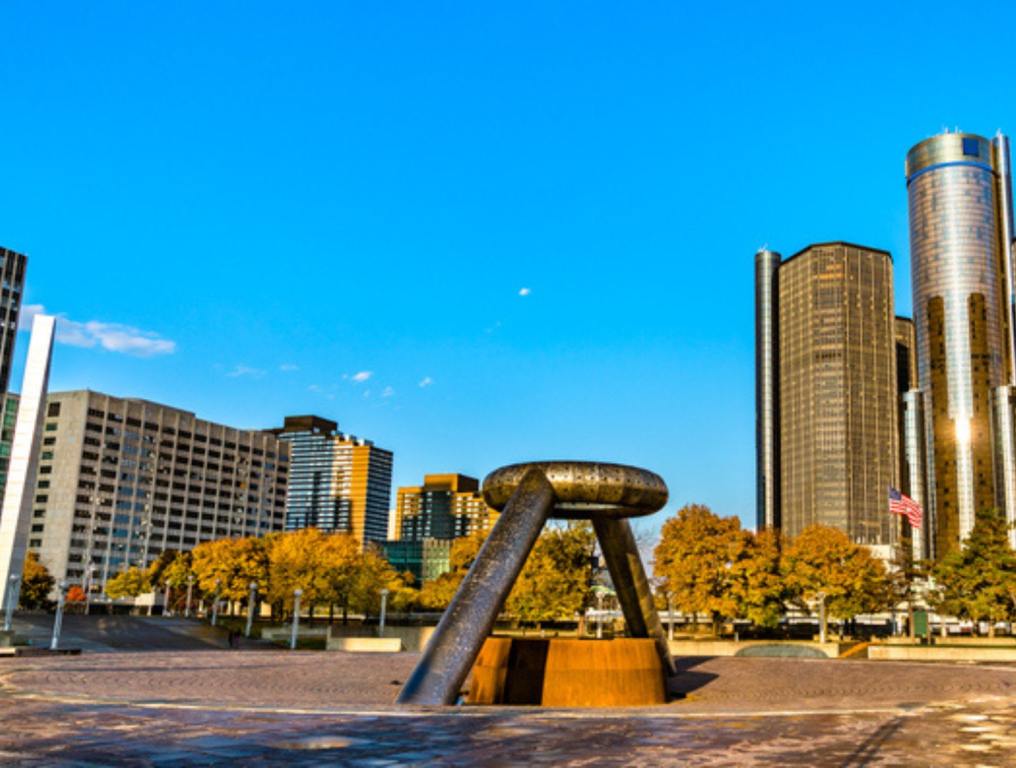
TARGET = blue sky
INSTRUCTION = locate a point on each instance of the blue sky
(473, 234)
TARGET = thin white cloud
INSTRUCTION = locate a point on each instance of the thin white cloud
(525, 291)
(245, 370)
(361, 376)
(113, 337)
(425, 382)
(387, 392)
(289, 367)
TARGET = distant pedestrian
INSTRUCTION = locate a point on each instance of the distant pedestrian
(234, 639)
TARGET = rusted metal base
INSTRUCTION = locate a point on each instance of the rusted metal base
(562, 672)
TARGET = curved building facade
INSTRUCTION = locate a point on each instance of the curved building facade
(959, 232)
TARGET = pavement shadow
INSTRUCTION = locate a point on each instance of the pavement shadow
(688, 679)
(870, 748)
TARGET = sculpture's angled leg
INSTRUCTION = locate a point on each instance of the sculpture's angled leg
(455, 644)
(622, 555)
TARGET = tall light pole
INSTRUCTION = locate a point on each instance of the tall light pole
(670, 617)
(250, 608)
(12, 589)
(215, 601)
(54, 641)
(821, 617)
(296, 618)
(381, 621)
(599, 615)
(89, 580)
(168, 594)
(190, 591)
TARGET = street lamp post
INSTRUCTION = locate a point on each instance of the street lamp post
(190, 591)
(670, 617)
(821, 617)
(54, 641)
(89, 581)
(168, 596)
(215, 601)
(381, 621)
(599, 615)
(296, 618)
(12, 588)
(250, 608)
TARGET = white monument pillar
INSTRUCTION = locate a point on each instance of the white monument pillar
(16, 514)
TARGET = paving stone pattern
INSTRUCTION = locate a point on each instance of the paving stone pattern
(269, 708)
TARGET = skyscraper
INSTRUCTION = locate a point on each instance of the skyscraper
(444, 507)
(337, 482)
(826, 382)
(959, 191)
(12, 283)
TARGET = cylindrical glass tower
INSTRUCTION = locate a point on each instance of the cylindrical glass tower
(767, 431)
(961, 306)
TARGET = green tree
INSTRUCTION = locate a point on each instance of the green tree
(557, 577)
(757, 584)
(129, 583)
(695, 559)
(978, 581)
(36, 584)
(229, 566)
(824, 561)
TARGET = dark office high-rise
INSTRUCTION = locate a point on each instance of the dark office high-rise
(826, 382)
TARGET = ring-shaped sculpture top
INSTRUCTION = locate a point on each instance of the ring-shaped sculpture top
(584, 489)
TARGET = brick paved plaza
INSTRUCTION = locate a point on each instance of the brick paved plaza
(310, 708)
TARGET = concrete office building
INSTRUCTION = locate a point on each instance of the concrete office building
(961, 231)
(337, 482)
(446, 506)
(123, 480)
(826, 382)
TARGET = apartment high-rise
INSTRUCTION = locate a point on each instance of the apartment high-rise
(826, 383)
(961, 230)
(445, 507)
(122, 480)
(337, 482)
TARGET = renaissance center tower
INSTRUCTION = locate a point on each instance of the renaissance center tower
(960, 203)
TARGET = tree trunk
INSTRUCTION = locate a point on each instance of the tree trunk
(345, 613)
(991, 628)
(910, 618)
(331, 613)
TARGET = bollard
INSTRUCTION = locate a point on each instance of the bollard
(296, 618)
(250, 608)
(215, 601)
(381, 621)
(12, 589)
(190, 590)
(54, 641)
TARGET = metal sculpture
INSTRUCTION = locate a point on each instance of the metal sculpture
(527, 496)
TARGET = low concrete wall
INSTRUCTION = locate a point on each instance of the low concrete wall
(364, 644)
(793, 648)
(284, 632)
(941, 653)
(413, 638)
(951, 640)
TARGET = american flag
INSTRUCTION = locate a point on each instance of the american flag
(901, 504)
